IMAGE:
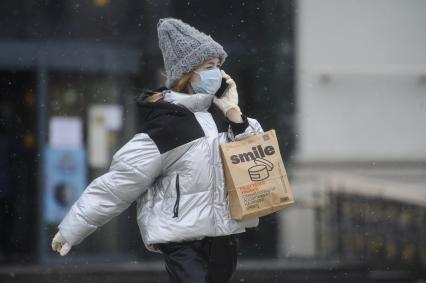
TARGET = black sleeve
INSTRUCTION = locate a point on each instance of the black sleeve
(238, 128)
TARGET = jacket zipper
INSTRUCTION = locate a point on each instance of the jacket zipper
(176, 206)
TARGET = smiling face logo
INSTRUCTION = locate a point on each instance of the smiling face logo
(260, 171)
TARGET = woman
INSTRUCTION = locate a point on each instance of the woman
(172, 166)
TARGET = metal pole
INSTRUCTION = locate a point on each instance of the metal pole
(42, 116)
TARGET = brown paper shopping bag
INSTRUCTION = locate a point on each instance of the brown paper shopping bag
(255, 176)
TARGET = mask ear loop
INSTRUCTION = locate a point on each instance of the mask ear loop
(198, 73)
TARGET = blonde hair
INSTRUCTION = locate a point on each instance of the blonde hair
(181, 85)
(155, 97)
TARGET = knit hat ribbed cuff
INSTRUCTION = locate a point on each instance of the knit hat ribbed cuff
(195, 58)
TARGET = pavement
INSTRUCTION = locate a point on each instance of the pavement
(264, 271)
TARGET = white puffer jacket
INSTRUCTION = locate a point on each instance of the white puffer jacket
(173, 169)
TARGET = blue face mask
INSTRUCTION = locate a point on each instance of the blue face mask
(209, 83)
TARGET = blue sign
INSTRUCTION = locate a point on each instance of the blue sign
(65, 180)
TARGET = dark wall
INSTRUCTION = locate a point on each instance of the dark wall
(18, 163)
(258, 35)
(116, 22)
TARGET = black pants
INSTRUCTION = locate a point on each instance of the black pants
(210, 260)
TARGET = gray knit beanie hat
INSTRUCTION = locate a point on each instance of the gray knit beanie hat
(185, 48)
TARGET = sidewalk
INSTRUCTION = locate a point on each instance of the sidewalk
(247, 272)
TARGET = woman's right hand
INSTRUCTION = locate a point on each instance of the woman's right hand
(60, 245)
(229, 100)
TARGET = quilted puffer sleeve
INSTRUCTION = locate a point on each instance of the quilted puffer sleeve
(133, 169)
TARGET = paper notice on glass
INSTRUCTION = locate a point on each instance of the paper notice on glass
(98, 137)
(65, 132)
(114, 116)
